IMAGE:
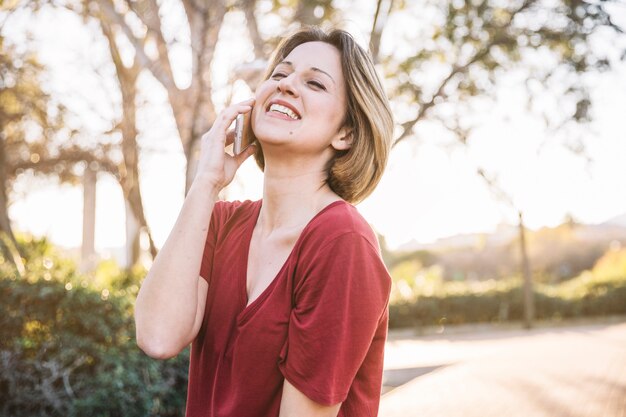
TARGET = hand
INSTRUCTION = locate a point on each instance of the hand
(215, 165)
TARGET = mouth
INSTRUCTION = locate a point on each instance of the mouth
(283, 108)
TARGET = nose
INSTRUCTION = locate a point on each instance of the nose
(286, 85)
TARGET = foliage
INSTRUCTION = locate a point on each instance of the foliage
(67, 346)
(612, 265)
(472, 43)
(429, 300)
(34, 134)
(557, 254)
(562, 252)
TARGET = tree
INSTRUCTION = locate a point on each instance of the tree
(34, 136)
(141, 23)
(187, 103)
(126, 170)
(27, 117)
(473, 43)
(192, 106)
(12, 110)
(501, 195)
(128, 176)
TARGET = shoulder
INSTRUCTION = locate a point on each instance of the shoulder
(339, 222)
(231, 215)
(340, 250)
(224, 211)
(232, 206)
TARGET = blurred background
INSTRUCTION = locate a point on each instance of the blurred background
(503, 204)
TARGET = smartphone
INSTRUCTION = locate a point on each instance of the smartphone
(242, 139)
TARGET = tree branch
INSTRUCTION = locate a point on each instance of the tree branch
(458, 69)
(208, 40)
(495, 188)
(377, 28)
(113, 49)
(155, 67)
(408, 126)
(149, 15)
(66, 156)
(248, 7)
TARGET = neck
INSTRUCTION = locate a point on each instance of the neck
(292, 194)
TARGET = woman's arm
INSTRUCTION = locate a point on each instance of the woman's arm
(170, 304)
(295, 404)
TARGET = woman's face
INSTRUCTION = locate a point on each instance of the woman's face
(303, 104)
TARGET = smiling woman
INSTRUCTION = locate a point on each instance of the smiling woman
(284, 299)
(358, 94)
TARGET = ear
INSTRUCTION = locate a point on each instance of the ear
(343, 139)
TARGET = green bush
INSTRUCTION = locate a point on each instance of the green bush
(67, 346)
(428, 300)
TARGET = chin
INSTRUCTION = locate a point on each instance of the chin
(272, 137)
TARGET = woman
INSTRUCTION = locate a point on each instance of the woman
(283, 299)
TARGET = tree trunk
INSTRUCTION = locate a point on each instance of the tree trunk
(133, 230)
(130, 178)
(8, 243)
(129, 170)
(529, 306)
(88, 251)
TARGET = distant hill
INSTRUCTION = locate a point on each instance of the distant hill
(503, 234)
(616, 221)
(556, 253)
(614, 228)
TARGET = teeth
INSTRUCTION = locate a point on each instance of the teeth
(285, 110)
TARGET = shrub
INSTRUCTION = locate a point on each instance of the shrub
(67, 346)
(598, 292)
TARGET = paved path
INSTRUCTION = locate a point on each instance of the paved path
(577, 371)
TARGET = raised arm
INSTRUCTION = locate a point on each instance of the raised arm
(170, 305)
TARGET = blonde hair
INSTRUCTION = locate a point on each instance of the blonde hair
(353, 173)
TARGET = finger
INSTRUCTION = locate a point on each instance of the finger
(249, 151)
(230, 137)
(229, 114)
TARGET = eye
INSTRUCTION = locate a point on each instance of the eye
(278, 75)
(317, 84)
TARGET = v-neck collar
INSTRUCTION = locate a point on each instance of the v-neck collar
(253, 306)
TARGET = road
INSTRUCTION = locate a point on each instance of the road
(575, 371)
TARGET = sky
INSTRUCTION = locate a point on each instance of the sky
(428, 191)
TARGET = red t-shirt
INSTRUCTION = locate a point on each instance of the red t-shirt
(321, 323)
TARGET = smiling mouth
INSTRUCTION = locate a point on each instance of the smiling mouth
(279, 108)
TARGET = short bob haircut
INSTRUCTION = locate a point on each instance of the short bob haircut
(353, 173)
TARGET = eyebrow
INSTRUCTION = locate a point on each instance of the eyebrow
(289, 63)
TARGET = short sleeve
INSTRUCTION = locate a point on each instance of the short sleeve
(211, 239)
(339, 302)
